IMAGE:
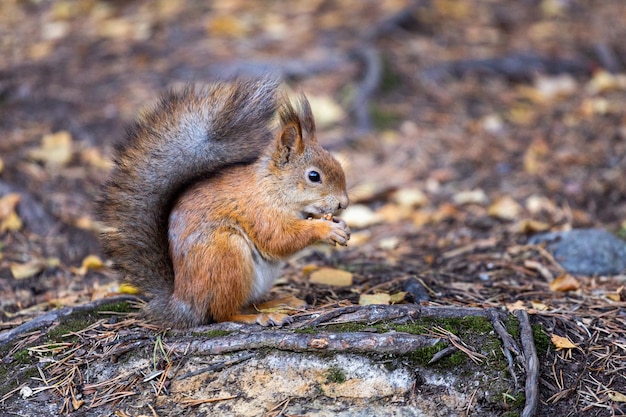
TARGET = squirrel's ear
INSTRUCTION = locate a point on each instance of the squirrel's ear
(289, 143)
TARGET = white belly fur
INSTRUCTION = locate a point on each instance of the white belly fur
(265, 273)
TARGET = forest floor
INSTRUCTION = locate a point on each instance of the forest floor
(464, 128)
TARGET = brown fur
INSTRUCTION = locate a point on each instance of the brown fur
(240, 199)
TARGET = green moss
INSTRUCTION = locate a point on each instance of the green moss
(212, 333)
(22, 357)
(336, 375)
(542, 341)
(423, 355)
(119, 307)
(69, 326)
(511, 324)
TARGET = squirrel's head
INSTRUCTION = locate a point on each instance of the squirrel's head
(312, 180)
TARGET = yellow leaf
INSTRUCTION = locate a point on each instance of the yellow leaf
(518, 305)
(8, 204)
(1, 165)
(93, 157)
(504, 208)
(617, 295)
(531, 226)
(617, 397)
(55, 150)
(27, 270)
(125, 288)
(564, 282)
(307, 269)
(410, 197)
(12, 223)
(397, 297)
(90, 262)
(331, 276)
(562, 342)
(380, 298)
(538, 306)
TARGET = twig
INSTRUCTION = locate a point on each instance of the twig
(508, 344)
(531, 364)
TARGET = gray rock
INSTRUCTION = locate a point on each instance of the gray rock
(585, 251)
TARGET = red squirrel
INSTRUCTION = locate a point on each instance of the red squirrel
(207, 196)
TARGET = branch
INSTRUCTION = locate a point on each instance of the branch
(351, 342)
(531, 364)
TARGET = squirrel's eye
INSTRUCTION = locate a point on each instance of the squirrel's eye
(314, 176)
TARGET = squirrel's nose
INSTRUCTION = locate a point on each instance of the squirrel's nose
(343, 202)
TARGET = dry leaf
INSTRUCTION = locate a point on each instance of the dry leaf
(562, 342)
(535, 157)
(326, 110)
(617, 397)
(389, 243)
(476, 196)
(125, 288)
(12, 223)
(380, 298)
(307, 269)
(617, 295)
(538, 306)
(528, 226)
(55, 150)
(90, 262)
(518, 305)
(359, 215)
(93, 157)
(28, 269)
(1, 165)
(331, 276)
(397, 297)
(410, 197)
(504, 208)
(564, 282)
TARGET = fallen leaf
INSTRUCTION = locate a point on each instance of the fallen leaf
(126, 288)
(389, 243)
(617, 397)
(28, 269)
(528, 226)
(397, 297)
(618, 295)
(8, 204)
(326, 110)
(55, 149)
(538, 306)
(307, 269)
(12, 223)
(476, 196)
(1, 165)
(518, 305)
(535, 157)
(564, 282)
(380, 298)
(93, 157)
(331, 276)
(359, 215)
(562, 342)
(90, 262)
(504, 208)
(410, 197)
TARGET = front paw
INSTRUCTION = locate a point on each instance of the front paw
(339, 232)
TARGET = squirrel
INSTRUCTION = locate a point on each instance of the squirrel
(207, 196)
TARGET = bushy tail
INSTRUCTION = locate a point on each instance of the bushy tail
(189, 135)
